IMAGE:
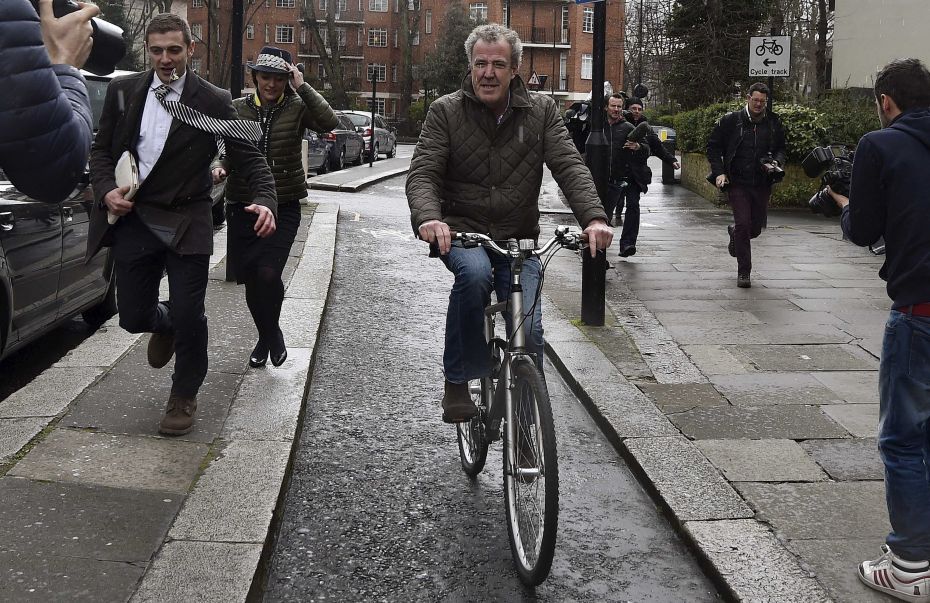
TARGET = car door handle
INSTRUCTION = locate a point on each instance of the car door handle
(6, 220)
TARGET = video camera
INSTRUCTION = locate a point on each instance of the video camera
(834, 170)
(771, 169)
(109, 46)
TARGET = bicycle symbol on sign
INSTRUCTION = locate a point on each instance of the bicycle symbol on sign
(770, 45)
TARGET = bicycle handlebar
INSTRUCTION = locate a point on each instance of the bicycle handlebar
(563, 237)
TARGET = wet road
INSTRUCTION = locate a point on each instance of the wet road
(378, 507)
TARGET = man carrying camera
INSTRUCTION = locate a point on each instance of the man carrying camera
(45, 116)
(890, 197)
(746, 151)
(629, 175)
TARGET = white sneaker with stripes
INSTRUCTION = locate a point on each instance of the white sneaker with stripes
(905, 580)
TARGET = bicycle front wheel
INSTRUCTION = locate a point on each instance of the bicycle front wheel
(472, 435)
(531, 475)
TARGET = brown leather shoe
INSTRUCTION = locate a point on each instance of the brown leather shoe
(161, 349)
(179, 416)
(457, 405)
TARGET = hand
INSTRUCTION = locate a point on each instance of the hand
(600, 235)
(434, 231)
(840, 200)
(116, 203)
(219, 174)
(67, 40)
(721, 180)
(676, 165)
(297, 78)
(633, 146)
(264, 225)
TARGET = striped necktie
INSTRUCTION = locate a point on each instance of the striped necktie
(239, 129)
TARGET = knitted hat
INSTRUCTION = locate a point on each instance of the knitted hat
(272, 60)
(634, 101)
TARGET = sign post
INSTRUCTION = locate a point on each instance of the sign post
(770, 56)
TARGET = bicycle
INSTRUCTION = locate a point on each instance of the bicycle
(513, 403)
(771, 45)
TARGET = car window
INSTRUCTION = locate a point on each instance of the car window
(97, 90)
(379, 123)
(346, 123)
(359, 120)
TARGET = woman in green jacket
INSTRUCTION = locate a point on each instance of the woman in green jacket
(285, 106)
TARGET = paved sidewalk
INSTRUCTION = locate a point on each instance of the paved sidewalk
(751, 413)
(97, 506)
(352, 180)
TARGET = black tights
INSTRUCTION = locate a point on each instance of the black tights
(264, 294)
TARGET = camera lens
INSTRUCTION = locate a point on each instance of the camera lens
(109, 46)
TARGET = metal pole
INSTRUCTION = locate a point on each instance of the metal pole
(597, 152)
(508, 13)
(640, 80)
(235, 90)
(374, 108)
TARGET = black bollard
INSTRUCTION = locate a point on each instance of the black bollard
(593, 271)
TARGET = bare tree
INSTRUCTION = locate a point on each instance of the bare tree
(410, 32)
(328, 40)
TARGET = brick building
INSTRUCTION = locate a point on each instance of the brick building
(557, 38)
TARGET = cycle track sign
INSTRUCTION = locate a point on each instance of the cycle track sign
(770, 56)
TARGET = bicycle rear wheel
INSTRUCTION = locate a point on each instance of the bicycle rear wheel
(531, 475)
(472, 436)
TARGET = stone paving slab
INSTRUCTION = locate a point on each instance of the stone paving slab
(715, 360)
(678, 397)
(826, 510)
(33, 576)
(50, 393)
(761, 460)
(113, 408)
(794, 422)
(236, 495)
(68, 455)
(758, 334)
(103, 348)
(207, 572)
(761, 389)
(835, 562)
(89, 522)
(805, 357)
(847, 460)
(753, 563)
(16, 433)
(860, 420)
(687, 482)
(854, 387)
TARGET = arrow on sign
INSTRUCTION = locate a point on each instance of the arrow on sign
(768, 62)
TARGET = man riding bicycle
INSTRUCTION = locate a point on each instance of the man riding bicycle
(477, 167)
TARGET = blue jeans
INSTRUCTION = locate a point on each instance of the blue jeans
(904, 433)
(476, 270)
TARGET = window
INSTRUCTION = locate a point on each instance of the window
(380, 71)
(321, 70)
(359, 30)
(323, 4)
(377, 37)
(285, 3)
(267, 39)
(504, 16)
(195, 64)
(378, 6)
(196, 3)
(478, 11)
(284, 34)
(393, 73)
(587, 65)
(587, 22)
(429, 21)
(564, 24)
(250, 31)
(197, 31)
(341, 36)
(393, 107)
(303, 34)
(379, 106)
(395, 38)
(415, 38)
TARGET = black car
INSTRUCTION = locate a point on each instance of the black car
(43, 278)
(318, 152)
(346, 146)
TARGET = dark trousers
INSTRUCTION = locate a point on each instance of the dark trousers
(141, 260)
(749, 204)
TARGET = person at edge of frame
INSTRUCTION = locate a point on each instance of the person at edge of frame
(168, 224)
(735, 149)
(889, 197)
(477, 167)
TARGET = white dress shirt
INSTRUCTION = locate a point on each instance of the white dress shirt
(153, 130)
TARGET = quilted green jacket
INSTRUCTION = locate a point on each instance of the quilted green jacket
(478, 176)
(281, 146)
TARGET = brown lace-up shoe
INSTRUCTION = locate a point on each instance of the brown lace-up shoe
(161, 349)
(457, 405)
(179, 416)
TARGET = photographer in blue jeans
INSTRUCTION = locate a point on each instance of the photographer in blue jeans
(890, 198)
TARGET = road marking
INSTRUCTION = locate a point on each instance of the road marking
(379, 233)
(356, 217)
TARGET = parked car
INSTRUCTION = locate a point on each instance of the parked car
(317, 152)
(344, 145)
(43, 278)
(385, 138)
